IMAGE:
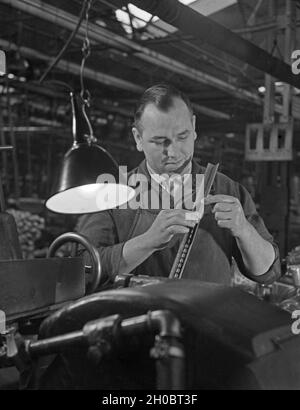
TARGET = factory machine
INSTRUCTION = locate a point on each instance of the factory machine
(65, 328)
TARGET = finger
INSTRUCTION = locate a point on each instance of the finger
(224, 216)
(184, 215)
(166, 212)
(179, 220)
(222, 207)
(190, 215)
(170, 213)
(224, 223)
(177, 229)
(193, 216)
(212, 199)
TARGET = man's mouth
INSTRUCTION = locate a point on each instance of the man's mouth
(171, 162)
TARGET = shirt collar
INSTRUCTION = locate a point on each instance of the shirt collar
(164, 177)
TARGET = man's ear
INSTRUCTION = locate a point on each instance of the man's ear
(137, 138)
(194, 126)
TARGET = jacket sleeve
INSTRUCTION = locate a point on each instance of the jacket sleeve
(253, 217)
(100, 230)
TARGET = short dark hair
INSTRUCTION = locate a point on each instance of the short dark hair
(162, 96)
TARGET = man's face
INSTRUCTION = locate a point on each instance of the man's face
(166, 138)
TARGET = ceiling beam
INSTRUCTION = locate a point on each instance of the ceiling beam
(100, 34)
(74, 68)
(102, 78)
(203, 28)
(63, 19)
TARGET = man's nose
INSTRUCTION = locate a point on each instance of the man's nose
(170, 149)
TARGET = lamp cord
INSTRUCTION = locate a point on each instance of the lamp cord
(84, 93)
(63, 50)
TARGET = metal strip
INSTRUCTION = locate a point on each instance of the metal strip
(188, 239)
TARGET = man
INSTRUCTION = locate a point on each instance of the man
(145, 240)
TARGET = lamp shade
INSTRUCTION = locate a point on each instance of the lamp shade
(89, 179)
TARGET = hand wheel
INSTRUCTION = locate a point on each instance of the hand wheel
(76, 239)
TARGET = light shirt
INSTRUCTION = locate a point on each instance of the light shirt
(176, 185)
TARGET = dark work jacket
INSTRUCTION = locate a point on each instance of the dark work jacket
(211, 255)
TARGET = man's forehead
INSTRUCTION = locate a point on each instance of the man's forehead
(177, 109)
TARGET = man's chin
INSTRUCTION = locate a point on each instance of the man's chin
(174, 167)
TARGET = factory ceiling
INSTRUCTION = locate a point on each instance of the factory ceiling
(132, 49)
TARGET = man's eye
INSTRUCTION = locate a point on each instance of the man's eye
(183, 137)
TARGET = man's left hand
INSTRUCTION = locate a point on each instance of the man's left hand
(228, 213)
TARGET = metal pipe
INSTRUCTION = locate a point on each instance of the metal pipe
(100, 34)
(74, 68)
(103, 78)
(168, 349)
(203, 28)
(170, 366)
(56, 344)
(210, 112)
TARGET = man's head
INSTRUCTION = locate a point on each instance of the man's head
(164, 129)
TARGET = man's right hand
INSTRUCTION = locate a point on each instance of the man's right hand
(168, 223)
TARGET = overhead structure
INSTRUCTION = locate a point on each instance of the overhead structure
(99, 34)
(204, 28)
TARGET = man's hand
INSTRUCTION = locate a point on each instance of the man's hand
(165, 226)
(168, 223)
(229, 213)
(258, 254)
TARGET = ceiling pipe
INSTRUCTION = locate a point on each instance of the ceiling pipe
(100, 34)
(74, 68)
(102, 78)
(64, 19)
(191, 22)
(210, 112)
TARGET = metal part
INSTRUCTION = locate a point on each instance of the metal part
(93, 253)
(269, 142)
(11, 346)
(163, 350)
(188, 239)
(273, 140)
(129, 281)
(210, 112)
(31, 284)
(289, 45)
(55, 344)
(100, 334)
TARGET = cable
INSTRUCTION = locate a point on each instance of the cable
(60, 84)
(63, 50)
(84, 93)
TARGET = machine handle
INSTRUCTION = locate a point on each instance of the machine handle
(93, 252)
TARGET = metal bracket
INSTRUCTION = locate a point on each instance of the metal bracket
(161, 348)
(269, 142)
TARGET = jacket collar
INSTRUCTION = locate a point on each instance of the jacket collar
(142, 168)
